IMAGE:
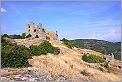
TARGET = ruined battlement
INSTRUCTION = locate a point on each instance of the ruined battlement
(33, 31)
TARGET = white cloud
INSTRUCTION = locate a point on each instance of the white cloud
(110, 35)
(3, 10)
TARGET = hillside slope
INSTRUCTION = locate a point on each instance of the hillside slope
(68, 65)
(102, 46)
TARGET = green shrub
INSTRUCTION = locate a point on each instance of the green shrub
(105, 66)
(23, 35)
(14, 56)
(92, 58)
(47, 46)
(12, 36)
(56, 51)
(15, 36)
(70, 44)
(5, 35)
(5, 42)
(44, 48)
(37, 50)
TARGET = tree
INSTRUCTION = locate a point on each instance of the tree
(23, 35)
(15, 36)
(5, 35)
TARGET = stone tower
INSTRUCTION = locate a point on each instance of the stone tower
(31, 30)
(41, 31)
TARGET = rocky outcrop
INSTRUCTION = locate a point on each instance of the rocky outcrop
(25, 74)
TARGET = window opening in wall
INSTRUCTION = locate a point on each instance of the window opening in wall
(34, 30)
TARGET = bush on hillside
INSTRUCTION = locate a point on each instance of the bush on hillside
(56, 50)
(70, 44)
(44, 48)
(106, 66)
(92, 58)
(37, 50)
(5, 42)
(13, 55)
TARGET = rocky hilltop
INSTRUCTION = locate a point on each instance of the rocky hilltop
(68, 64)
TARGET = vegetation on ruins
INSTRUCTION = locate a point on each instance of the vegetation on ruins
(92, 58)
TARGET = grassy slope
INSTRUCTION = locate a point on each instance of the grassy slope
(102, 46)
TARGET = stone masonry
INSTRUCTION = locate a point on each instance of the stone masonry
(39, 31)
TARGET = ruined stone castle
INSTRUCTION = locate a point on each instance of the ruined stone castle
(38, 31)
(36, 35)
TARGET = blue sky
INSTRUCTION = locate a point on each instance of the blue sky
(72, 20)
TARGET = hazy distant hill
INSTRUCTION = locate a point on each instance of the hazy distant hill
(101, 45)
